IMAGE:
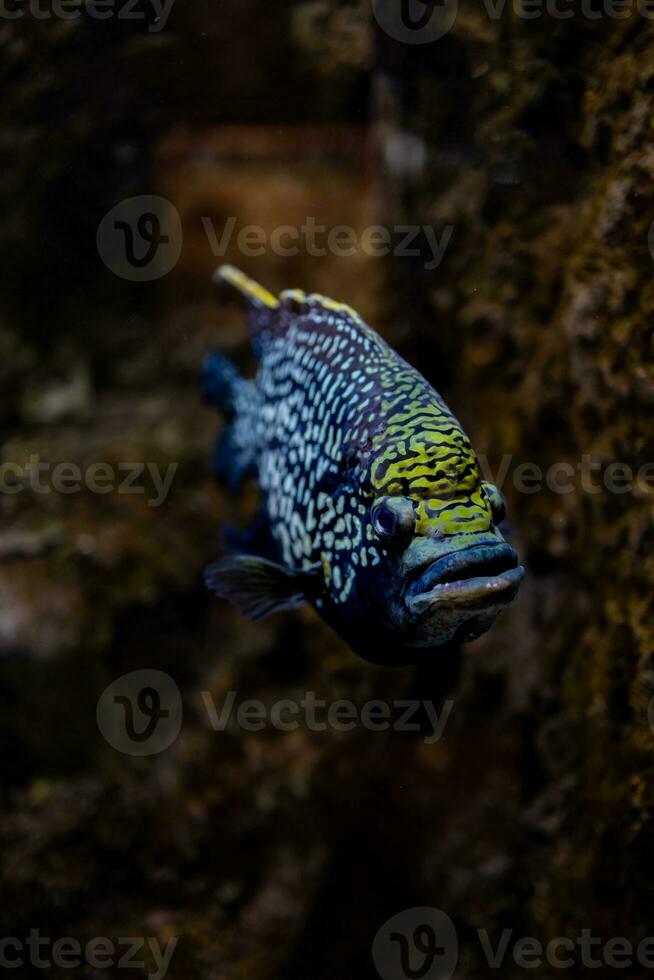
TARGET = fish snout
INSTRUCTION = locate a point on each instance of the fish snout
(424, 551)
(480, 574)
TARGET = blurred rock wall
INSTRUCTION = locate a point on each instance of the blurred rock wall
(539, 154)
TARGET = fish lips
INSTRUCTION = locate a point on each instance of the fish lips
(478, 578)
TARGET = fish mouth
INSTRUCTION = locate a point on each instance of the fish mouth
(477, 578)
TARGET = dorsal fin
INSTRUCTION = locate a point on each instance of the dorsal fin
(300, 302)
(261, 306)
(231, 280)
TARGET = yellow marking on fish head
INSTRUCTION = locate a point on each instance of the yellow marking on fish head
(423, 454)
(467, 514)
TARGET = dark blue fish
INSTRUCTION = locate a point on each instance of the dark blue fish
(373, 507)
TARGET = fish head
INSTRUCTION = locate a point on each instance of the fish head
(442, 570)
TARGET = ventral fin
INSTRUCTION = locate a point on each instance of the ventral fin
(259, 587)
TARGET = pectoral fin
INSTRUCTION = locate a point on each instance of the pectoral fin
(259, 587)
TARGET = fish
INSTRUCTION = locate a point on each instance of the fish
(373, 507)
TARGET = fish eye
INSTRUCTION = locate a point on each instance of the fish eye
(392, 517)
(497, 502)
(384, 521)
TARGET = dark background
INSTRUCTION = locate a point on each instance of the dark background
(280, 855)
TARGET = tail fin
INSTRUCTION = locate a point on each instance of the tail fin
(220, 382)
